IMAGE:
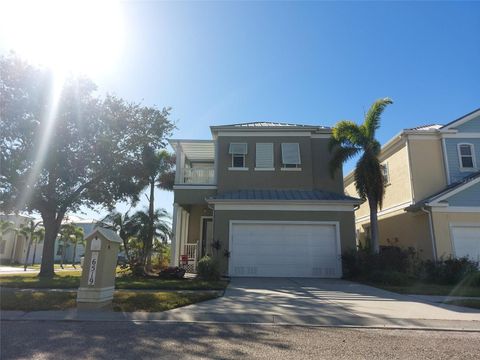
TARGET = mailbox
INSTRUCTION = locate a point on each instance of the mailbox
(97, 283)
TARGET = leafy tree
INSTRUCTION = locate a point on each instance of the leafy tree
(349, 140)
(62, 148)
(158, 172)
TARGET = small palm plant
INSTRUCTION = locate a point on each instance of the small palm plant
(76, 237)
(349, 140)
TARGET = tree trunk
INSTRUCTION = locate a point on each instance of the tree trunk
(74, 254)
(34, 252)
(52, 226)
(373, 226)
(151, 213)
(28, 253)
(62, 256)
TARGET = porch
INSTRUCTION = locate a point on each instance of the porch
(193, 234)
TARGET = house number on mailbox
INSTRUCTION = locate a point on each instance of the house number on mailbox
(93, 268)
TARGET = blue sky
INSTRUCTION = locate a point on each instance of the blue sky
(312, 63)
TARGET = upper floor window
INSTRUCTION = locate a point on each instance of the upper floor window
(264, 156)
(290, 155)
(466, 155)
(238, 151)
(385, 173)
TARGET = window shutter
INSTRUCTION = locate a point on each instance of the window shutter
(291, 153)
(238, 148)
(264, 155)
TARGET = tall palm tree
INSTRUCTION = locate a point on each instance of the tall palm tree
(28, 231)
(76, 238)
(349, 140)
(123, 224)
(157, 172)
(38, 236)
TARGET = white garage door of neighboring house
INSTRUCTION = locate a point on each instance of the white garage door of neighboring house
(284, 249)
(466, 241)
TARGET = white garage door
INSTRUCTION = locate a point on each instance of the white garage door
(280, 249)
(466, 241)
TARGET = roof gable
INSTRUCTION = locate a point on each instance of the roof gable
(461, 122)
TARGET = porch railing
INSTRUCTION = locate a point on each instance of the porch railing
(191, 251)
(199, 175)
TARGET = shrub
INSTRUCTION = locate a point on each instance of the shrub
(208, 268)
(394, 278)
(449, 271)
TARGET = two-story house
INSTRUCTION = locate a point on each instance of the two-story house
(259, 198)
(432, 195)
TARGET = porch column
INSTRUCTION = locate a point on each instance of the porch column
(176, 229)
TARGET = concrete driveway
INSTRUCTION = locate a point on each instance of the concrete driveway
(324, 302)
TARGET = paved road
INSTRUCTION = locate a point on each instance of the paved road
(129, 340)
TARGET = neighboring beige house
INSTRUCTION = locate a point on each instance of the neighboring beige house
(259, 198)
(432, 197)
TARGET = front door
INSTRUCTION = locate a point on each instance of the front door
(207, 235)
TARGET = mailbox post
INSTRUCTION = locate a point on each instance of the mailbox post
(97, 283)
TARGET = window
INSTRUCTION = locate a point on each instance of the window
(290, 155)
(385, 173)
(238, 152)
(264, 156)
(3, 244)
(466, 156)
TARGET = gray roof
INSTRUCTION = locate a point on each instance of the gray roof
(283, 194)
(451, 187)
(270, 125)
(107, 233)
(427, 127)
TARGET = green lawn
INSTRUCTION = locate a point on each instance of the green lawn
(123, 300)
(431, 289)
(473, 303)
(71, 280)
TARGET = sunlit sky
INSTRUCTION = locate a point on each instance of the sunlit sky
(226, 62)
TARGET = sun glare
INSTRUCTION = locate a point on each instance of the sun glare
(67, 35)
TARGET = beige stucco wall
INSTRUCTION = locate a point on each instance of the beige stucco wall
(427, 164)
(222, 223)
(442, 223)
(398, 191)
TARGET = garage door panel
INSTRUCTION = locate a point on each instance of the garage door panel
(466, 241)
(284, 250)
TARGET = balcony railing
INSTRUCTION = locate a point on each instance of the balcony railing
(199, 175)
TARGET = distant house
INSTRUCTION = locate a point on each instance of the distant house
(259, 198)
(432, 196)
(13, 248)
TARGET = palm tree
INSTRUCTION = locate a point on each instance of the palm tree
(76, 238)
(123, 224)
(67, 232)
(28, 231)
(349, 140)
(38, 235)
(157, 172)
(161, 231)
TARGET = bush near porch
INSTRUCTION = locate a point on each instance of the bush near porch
(402, 270)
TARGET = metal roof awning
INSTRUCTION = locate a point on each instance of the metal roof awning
(195, 150)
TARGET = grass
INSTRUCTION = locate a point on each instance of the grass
(421, 288)
(472, 303)
(123, 300)
(71, 280)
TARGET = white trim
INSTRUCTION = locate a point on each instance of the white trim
(233, 164)
(290, 169)
(456, 209)
(193, 187)
(410, 173)
(264, 169)
(282, 222)
(321, 136)
(385, 211)
(238, 168)
(463, 120)
(199, 243)
(427, 136)
(258, 133)
(474, 160)
(445, 159)
(283, 207)
(453, 192)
